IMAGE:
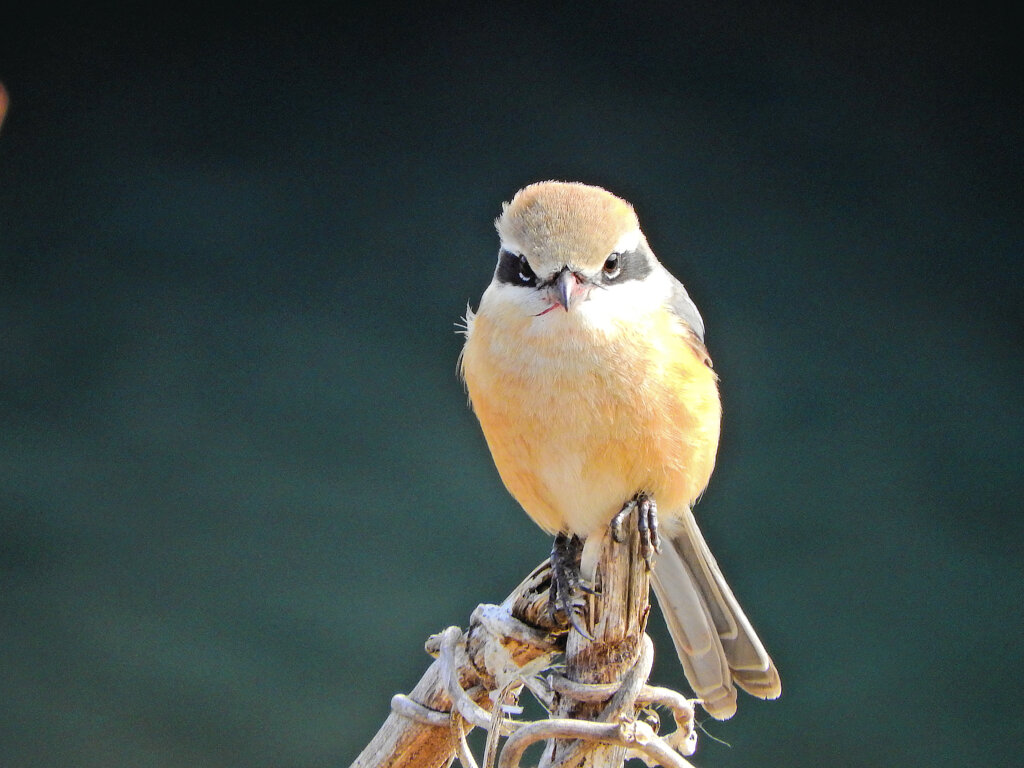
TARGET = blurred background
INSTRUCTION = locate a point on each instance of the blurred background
(239, 481)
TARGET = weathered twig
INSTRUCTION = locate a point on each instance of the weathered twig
(418, 733)
(618, 617)
(506, 648)
(634, 735)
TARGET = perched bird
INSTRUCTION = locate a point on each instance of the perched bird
(586, 367)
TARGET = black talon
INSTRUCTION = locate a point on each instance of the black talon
(566, 580)
(620, 520)
(646, 524)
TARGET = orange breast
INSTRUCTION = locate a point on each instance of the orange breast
(579, 421)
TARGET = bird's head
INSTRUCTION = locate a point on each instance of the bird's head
(564, 245)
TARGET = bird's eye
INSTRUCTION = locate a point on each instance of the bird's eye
(526, 274)
(612, 268)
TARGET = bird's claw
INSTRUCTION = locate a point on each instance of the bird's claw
(566, 581)
(618, 522)
(646, 524)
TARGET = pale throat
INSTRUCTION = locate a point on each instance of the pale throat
(595, 335)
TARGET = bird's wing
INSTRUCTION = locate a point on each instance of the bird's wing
(682, 306)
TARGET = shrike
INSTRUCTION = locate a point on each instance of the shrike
(586, 366)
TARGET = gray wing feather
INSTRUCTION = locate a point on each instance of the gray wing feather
(681, 303)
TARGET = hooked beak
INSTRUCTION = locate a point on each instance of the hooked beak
(567, 289)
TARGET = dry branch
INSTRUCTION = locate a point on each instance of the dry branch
(617, 618)
(403, 742)
(594, 706)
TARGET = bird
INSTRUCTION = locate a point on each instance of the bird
(586, 367)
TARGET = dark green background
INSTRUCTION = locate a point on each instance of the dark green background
(239, 483)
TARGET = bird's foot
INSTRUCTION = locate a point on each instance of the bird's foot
(646, 524)
(566, 581)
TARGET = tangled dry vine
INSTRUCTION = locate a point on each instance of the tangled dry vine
(595, 690)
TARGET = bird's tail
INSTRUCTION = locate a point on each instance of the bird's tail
(715, 642)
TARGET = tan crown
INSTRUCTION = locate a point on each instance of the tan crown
(556, 224)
